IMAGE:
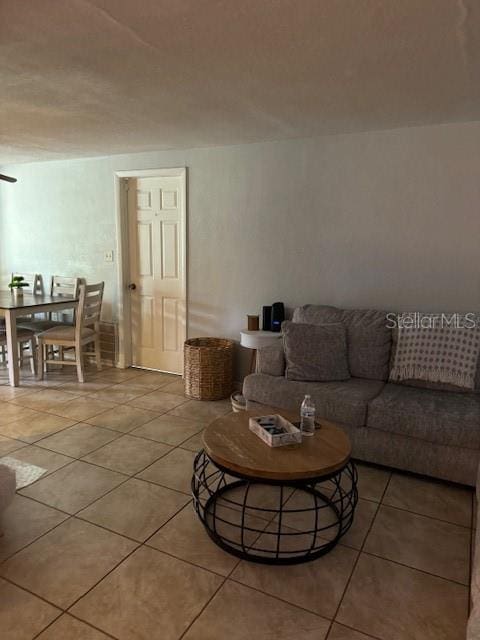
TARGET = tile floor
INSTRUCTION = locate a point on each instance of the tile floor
(106, 545)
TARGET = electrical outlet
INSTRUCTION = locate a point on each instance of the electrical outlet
(108, 256)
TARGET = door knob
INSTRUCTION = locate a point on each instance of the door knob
(132, 286)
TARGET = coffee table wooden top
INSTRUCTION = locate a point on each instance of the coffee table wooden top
(229, 442)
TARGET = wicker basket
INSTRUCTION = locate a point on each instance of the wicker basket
(208, 368)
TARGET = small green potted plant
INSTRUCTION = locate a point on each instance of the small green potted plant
(17, 285)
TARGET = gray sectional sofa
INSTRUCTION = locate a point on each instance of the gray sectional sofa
(432, 431)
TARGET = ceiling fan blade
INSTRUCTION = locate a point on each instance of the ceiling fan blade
(7, 178)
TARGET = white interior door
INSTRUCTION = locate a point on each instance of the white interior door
(157, 244)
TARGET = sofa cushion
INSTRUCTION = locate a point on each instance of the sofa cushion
(441, 417)
(315, 352)
(343, 402)
(369, 337)
(271, 359)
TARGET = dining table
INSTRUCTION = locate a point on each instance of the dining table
(13, 307)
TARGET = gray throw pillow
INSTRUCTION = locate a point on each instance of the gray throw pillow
(315, 352)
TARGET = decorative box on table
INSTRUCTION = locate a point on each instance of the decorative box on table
(275, 430)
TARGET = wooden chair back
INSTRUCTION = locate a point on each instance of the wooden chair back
(89, 308)
(64, 287)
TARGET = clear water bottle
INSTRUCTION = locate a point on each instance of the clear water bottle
(307, 416)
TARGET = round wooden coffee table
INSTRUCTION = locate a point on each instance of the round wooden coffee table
(281, 505)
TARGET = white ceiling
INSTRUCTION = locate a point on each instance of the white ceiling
(97, 77)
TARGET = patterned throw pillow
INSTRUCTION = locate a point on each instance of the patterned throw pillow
(435, 351)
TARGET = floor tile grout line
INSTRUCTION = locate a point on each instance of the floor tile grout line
(67, 609)
(36, 482)
(88, 624)
(408, 566)
(359, 554)
(49, 434)
(128, 403)
(423, 515)
(69, 516)
(182, 635)
(44, 504)
(119, 435)
(342, 624)
(158, 415)
(52, 622)
(164, 486)
(134, 435)
(75, 397)
(276, 597)
(20, 586)
(77, 515)
(130, 553)
(59, 430)
(229, 577)
(47, 471)
(35, 595)
(139, 546)
(128, 477)
(89, 452)
(140, 395)
(83, 420)
(168, 444)
(225, 580)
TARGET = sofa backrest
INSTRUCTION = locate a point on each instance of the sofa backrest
(370, 340)
(368, 336)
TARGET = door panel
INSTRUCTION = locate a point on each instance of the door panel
(170, 324)
(144, 230)
(170, 252)
(156, 215)
(146, 336)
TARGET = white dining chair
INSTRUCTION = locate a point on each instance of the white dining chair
(60, 287)
(34, 286)
(85, 331)
(25, 339)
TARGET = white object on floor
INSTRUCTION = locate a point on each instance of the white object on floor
(25, 473)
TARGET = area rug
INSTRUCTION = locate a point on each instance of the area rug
(25, 472)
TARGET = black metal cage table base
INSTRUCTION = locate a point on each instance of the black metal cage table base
(270, 521)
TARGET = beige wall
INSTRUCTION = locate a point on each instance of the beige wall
(387, 219)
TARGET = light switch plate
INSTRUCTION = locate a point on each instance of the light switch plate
(108, 256)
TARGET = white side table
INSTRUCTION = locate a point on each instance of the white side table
(256, 340)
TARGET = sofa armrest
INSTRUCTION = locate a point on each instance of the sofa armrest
(271, 359)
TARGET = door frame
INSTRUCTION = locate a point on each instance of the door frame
(123, 253)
